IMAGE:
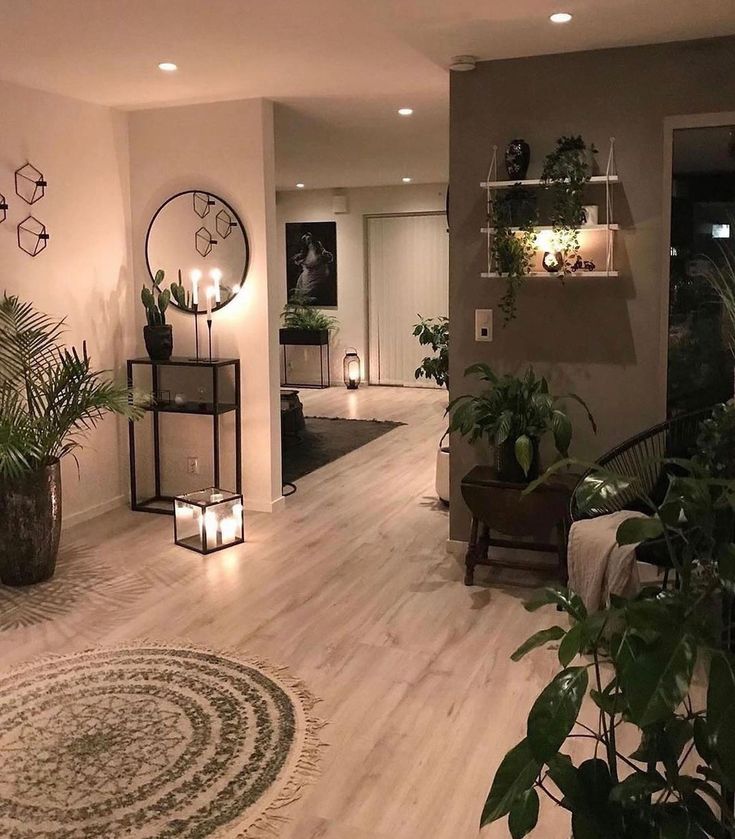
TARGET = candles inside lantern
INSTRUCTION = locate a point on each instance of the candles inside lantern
(209, 520)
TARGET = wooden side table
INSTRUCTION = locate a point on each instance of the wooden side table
(501, 507)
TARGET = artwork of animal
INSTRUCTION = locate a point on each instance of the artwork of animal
(315, 262)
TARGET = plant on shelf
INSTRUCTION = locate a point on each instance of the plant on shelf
(157, 334)
(514, 414)
(50, 396)
(299, 313)
(513, 255)
(567, 170)
(434, 333)
(630, 670)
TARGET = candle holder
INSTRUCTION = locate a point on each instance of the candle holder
(195, 307)
(208, 520)
(209, 334)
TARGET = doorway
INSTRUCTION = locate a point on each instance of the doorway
(408, 278)
(700, 368)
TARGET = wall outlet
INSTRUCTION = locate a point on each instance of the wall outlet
(483, 324)
(192, 465)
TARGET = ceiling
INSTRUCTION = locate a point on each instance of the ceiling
(338, 69)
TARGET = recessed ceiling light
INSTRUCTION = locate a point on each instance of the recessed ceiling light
(405, 112)
(299, 186)
(167, 66)
(560, 17)
(406, 180)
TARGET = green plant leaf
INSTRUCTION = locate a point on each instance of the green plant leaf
(554, 713)
(637, 786)
(502, 430)
(524, 453)
(538, 639)
(483, 371)
(562, 430)
(523, 815)
(569, 602)
(657, 681)
(571, 644)
(517, 773)
(633, 531)
(566, 777)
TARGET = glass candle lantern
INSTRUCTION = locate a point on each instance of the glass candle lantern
(208, 520)
(351, 369)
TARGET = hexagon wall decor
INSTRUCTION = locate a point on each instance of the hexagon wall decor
(32, 236)
(203, 241)
(30, 185)
(224, 223)
(202, 203)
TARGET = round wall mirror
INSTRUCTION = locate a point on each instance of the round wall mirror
(197, 237)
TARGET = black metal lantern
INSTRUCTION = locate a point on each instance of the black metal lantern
(351, 369)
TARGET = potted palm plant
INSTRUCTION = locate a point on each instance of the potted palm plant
(514, 414)
(49, 397)
(302, 323)
(434, 333)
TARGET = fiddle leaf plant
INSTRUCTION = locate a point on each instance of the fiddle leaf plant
(633, 665)
(434, 333)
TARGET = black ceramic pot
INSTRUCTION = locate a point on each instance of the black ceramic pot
(508, 467)
(517, 158)
(159, 341)
(30, 526)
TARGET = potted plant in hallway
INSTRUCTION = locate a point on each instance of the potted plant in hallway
(434, 333)
(302, 323)
(49, 397)
(514, 414)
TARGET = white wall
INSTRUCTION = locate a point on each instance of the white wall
(316, 205)
(84, 273)
(226, 148)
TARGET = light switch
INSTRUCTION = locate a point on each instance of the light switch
(483, 324)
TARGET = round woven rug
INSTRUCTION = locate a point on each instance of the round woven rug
(151, 741)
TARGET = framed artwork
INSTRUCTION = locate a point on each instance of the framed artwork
(311, 261)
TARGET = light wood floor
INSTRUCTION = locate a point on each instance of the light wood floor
(351, 588)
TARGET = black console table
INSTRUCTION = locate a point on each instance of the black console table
(158, 502)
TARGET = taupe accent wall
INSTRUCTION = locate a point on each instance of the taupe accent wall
(602, 338)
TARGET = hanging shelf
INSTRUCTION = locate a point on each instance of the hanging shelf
(609, 179)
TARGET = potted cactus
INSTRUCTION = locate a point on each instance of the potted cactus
(157, 334)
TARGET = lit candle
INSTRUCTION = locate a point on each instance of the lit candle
(216, 276)
(210, 527)
(228, 528)
(195, 276)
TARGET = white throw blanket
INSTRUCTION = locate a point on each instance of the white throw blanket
(598, 566)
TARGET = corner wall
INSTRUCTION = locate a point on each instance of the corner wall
(84, 273)
(226, 148)
(352, 290)
(602, 338)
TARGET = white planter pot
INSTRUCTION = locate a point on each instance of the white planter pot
(442, 472)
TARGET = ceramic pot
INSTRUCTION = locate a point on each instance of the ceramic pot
(508, 467)
(517, 158)
(30, 526)
(552, 262)
(159, 341)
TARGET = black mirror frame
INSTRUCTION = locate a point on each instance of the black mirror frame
(235, 216)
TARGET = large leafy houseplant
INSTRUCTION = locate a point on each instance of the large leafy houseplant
(634, 663)
(299, 313)
(50, 397)
(434, 333)
(514, 414)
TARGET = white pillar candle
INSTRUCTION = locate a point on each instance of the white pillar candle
(228, 528)
(195, 276)
(210, 526)
(216, 276)
(210, 295)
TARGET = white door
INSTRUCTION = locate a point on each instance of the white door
(408, 271)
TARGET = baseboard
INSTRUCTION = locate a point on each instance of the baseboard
(94, 511)
(456, 547)
(256, 505)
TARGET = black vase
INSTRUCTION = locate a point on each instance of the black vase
(508, 467)
(517, 158)
(159, 341)
(30, 526)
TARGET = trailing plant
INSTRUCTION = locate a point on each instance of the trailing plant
(155, 301)
(519, 410)
(299, 313)
(566, 173)
(50, 395)
(513, 253)
(634, 664)
(434, 333)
